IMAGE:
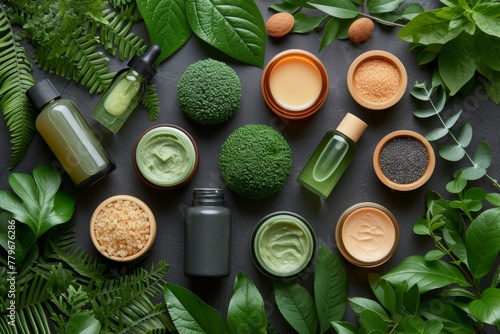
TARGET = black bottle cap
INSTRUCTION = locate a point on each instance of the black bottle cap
(144, 64)
(42, 93)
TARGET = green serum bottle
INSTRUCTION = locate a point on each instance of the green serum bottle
(69, 136)
(332, 156)
(126, 90)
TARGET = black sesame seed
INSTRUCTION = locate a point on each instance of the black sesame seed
(404, 160)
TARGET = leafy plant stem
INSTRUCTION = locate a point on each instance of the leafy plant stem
(387, 23)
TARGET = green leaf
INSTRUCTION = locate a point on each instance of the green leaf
(434, 255)
(436, 134)
(417, 325)
(493, 198)
(424, 113)
(495, 280)
(83, 324)
(412, 10)
(482, 241)
(421, 93)
(454, 320)
(429, 27)
(487, 308)
(18, 240)
(453, 120)
(284, 7)
(343, 327)
(235, 27)
(190, 314)
(330, 287)
(455, 243)
(492, 85)
(452, 152)
(343, 9)
(304, 24)
(167, 24)
(465, 135)
(421, 227)
(411, 300)
(372, 321)
(485, 16)
(472, 173)
(383, 6)
(359, 304)
(246, 313)
(490, 50)
(329, 33)
(458, 292)
(38, 202)
(427, 275)
(457, 62)
(482, 155)
(297, 307)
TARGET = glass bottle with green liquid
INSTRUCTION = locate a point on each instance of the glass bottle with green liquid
(126, 90)
(332, 156)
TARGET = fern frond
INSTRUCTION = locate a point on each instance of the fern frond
(150, 102)
(115, 36)
(15, 80)
(81, 262)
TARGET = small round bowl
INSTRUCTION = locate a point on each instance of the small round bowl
(404, 164)
(367, 234)
(377, 80)
(283, 245)
(111, 230)
(165, 145)
(294, 84)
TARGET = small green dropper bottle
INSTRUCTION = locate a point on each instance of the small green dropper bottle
(126, 90)
(332, 156)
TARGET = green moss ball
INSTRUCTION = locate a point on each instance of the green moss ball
(209, 92)
(255, 161)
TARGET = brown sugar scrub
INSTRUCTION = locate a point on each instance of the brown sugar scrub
(123, 228)
(280, 24)
(377, 80)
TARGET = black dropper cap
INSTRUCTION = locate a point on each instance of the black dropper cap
(42, 93)
(144, 64)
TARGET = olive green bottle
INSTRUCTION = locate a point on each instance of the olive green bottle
(332, 156)
(126, 90)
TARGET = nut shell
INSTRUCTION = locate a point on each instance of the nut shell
(360, 30)
(280, 24)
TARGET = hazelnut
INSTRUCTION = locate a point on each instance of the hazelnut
(360, 30)
(280, 24)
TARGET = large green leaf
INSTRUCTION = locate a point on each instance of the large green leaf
(454, 320)
(487, 308)
(428, 275)
(83, 324)
(297, 307)
(482, 241)
(383, 6)
(343, 327)
(342, 9)
(330, 287)
(373, 322)
(485, 16)
(36, 200)
(235, 27)
(418, 326)
(190, 314)
(359, 304)
(246, 313)
(167, 24)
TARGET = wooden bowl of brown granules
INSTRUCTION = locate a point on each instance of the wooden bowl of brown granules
(123, 228)
(404, 160)
(377, 79)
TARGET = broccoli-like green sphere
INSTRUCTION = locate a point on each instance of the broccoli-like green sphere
(209, 92)
(255, 161)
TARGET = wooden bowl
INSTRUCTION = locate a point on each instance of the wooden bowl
(378, 87)
(431, 160)
(94, 221)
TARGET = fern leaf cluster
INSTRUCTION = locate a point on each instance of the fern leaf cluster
(15, 80)
(65, 283)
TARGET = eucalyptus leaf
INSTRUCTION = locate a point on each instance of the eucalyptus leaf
(297, 307)
(436, 134)
(482, 155)
(343, 327)
(83, 324)
(420, 92)
(330, 32)
(246, 313)
(453, 120)
(304, 23)
(330, 287)
(167, 24)
(343, 9)
(454, 320)
(424, 113)
(482, 241)
(428, 275)
(441, 102)
(235, 27)
(359, 304)
(372, 321)
(493, 198)
(383, 6)
(472, 173)
(452, 152)
(487, 308)
(465, 135)
(190, 314)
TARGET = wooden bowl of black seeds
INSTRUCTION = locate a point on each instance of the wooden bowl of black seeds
(404, 160)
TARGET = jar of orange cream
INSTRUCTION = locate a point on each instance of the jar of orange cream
(294, 84)
(367, 234)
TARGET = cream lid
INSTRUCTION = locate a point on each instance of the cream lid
(352, 127)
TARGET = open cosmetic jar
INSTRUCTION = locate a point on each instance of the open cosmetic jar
(123, 228)
(294, 84)
(165, 157)
(367, 234)
(282, 245)
(377, 80)
(404, 160)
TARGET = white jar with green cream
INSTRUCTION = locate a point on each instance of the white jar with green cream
(165, 157)
(282, 245)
